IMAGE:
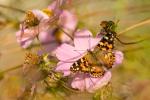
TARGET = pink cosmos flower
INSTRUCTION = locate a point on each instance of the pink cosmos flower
(68, 22)
(46, 33)
(25, 36)
(68, 54)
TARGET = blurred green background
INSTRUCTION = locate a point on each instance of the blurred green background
(130, 81)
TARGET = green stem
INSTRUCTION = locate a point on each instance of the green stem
(11, 69)
(65, 32)
(65, 86)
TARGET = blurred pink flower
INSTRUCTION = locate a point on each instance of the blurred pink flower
(68, 54)
(25, 36)
(68, 22)
(46, 33)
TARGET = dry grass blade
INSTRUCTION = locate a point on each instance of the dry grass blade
(134, 26)
(12, 8)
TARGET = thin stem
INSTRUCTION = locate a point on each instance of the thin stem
(11, 69)
(130, 50)
(134, 26)
(65, 32)
(12, 8)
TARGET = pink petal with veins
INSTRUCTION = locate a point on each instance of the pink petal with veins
(64, 68)
(93, 84)
(25, 38)
(79, 82)
(68, 22)
(84, 41)
(85, 82)
(67, 52)
(48, 41)
(40, 15)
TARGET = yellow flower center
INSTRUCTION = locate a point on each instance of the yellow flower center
(58, 35)
(31, 19)
(48, 12)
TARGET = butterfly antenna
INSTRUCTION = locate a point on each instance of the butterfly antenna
(128, 43)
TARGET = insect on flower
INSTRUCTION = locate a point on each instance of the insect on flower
(96, 65)
(106, 54)
(50, 25)
(106, 44)
(82, 64)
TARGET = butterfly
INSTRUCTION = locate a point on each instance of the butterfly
(107, 43)
(103, 54)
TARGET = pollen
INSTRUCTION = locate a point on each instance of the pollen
(31, 19)
(48, 12)
(58, 34)
(31, 58)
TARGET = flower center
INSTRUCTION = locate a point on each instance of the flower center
(31, 58)
(48, 12)
(31, 20)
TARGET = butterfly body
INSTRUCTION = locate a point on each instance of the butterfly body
(106, 44)
(108, 36)
(83, 65)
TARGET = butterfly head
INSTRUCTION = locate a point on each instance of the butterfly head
(108, 25)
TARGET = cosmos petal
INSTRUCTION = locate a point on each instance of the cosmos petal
(66, 52)
(84, 82)
(52, 6)
(44, 21)
(93, 84)
(46, 36)
(55, 7)
(40, 15)
(84, 41)
(26, 43)
(68, 22)
(48, 41)
(118, 57)
(64, 68)
(25, 39)
(78, 82)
